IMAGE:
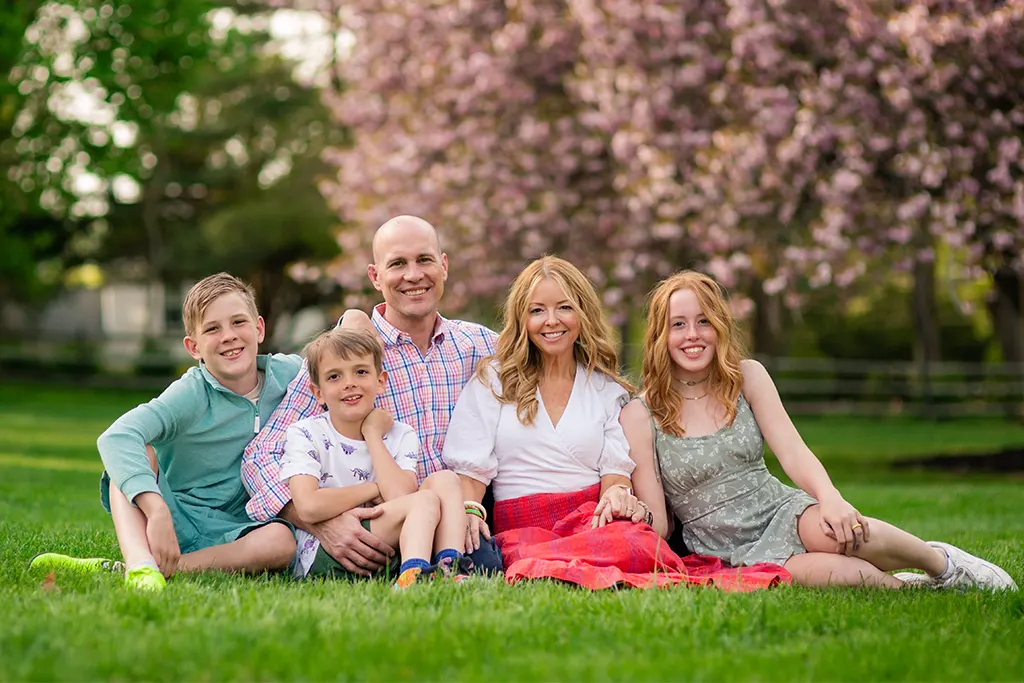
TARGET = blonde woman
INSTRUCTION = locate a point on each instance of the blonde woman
(698, 437)
(540, 424)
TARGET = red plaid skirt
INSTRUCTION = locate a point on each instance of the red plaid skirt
(548, 535)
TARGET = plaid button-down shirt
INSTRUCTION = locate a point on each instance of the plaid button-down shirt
(421, 391)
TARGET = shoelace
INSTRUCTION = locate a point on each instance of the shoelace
(962, 571)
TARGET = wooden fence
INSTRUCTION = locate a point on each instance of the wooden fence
(939, 390)
(807, 385)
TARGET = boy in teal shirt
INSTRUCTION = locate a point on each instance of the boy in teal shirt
(177, 498)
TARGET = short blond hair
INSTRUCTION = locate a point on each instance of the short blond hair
(209, 289)
(344, 343)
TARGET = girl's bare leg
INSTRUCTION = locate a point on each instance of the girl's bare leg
(887, 547)
(831, 569)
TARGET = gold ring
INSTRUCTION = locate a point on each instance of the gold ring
(856, 526)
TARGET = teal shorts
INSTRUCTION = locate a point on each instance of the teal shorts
(200, 527)
(326, 566)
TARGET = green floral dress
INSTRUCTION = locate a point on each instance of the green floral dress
(729, 504)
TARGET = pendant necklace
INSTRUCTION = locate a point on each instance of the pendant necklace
(693, 383)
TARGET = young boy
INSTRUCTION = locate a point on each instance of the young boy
(177, 498)
(356, 455)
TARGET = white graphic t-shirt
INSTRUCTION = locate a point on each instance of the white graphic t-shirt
(314, 447)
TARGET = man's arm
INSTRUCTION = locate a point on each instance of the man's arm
(261, 462)
(345, 539)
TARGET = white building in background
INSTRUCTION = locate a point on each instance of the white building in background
(120, 318)
(116, 319)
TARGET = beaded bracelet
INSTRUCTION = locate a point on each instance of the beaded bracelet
(477, 508)
(648, 515)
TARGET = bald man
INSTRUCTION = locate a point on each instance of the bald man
(428, 359)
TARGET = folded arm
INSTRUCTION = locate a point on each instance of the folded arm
(122, 447)
(314, 504)
(393, 481)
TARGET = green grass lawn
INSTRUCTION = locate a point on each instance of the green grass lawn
(219, 627)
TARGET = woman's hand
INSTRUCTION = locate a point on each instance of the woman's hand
(475, 528)
(841, 521)
(618, 502)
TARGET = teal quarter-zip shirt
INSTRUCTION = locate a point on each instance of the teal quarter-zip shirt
(199, 430)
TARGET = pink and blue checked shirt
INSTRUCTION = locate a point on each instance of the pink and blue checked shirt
(421, 391)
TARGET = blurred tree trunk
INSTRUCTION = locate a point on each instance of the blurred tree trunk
(927, 347)
(768, 339)
(1008, 323)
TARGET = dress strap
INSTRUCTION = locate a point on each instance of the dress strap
(654, 439)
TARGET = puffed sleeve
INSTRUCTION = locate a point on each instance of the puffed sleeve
(614, 457)
(469, 444)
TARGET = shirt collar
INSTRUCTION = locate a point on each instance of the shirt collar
(262, 361)
(393, 336)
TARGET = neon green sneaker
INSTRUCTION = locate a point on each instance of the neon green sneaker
(145, 579)
(89, 565)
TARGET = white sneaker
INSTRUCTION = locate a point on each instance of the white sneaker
(915, 580)
(971, 571)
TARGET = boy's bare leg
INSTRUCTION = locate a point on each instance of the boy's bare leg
(130, 527)
(451, 531)
(268, 548)
(130, 522)
(411, 521)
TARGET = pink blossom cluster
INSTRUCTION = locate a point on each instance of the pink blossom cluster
(782, 142)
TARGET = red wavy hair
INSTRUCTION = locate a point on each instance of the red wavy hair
(725, 379)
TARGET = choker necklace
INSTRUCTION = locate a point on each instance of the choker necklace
(692, 382)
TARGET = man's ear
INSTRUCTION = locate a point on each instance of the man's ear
(191, 347)
(371, 272)
(444, 266)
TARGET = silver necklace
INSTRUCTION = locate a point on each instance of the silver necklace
(693, 382)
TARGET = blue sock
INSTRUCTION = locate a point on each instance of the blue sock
(447, 553)
(413, 563)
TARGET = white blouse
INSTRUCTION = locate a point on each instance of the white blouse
(486, 440)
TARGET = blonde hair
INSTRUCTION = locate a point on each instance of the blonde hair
(519, 361)
(725, 379)
(343, 343)
(209, 289)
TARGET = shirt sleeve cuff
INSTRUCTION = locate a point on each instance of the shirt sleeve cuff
(143, 482)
